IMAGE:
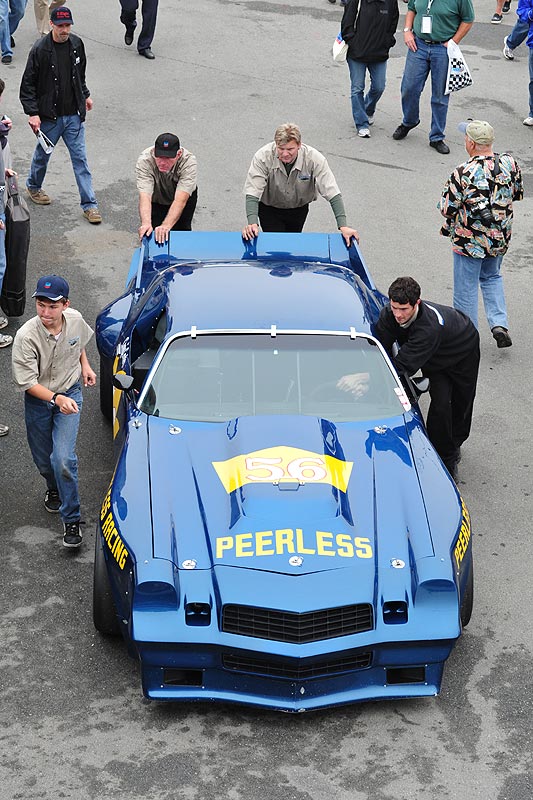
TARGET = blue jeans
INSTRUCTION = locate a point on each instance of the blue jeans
(531, 81)
(518, 34)
(468, 274)
(5, 37)
(2, 250)
(17, 9)
(363, 106)
(72, 131)
(427, 58)
(52, 440)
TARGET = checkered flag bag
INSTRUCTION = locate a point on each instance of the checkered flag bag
(458, 73)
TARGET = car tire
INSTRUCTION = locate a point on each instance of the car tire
(467, 601)
(106, 387)
(104, 613)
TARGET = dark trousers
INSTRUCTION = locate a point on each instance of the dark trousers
(282, 220)
(128, 17)
(449, 416)
(184, 223)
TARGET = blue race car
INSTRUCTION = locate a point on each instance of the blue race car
(278, 531)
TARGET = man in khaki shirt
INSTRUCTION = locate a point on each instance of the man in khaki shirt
(284, 177)
(166, 180)
(49, 359)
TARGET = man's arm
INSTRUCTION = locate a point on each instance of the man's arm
(28, 91)
(145, 214)
(461, 31)
(87, 373)
(173, 214)
(65, 404)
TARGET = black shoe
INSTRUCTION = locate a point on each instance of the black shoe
(128, 36)
(72, 536)
(7, 59)
(147, 53)
(13, 41)
(505, 10)
(441, 147)
(502, 336)
(52, 501)
(402, 131)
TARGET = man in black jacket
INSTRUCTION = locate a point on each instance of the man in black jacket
(368, 28)
(444, 344)
(54, 94)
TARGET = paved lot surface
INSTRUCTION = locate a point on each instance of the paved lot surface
(73, 723)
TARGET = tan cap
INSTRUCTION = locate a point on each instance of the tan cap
(478, 130)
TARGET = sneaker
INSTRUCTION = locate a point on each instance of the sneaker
(506, 7)
(502, 336)
(496, 19)
(402, 131)
(4, 430)
(508, 53)
(52, 501)
(528, 121)
(39, 197)
(93, 215)
(7, 59)
(3, 322)
(364, 133)
(371, 120)
(5, 340)
(72, 536)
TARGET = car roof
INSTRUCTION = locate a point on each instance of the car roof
(251, 295)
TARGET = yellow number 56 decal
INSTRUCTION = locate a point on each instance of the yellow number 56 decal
(276, 464)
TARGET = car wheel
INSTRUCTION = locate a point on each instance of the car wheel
(467, 602)
(104, 612)
(106, 387)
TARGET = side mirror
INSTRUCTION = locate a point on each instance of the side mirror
(414, 386)
(122, 381)
(421, 384)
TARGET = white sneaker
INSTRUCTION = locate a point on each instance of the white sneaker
(364, 133)
(371, 120)
(507, 52)
(529, 122)
(3, 322)
(6, 340)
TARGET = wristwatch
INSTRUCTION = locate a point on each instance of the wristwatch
(52, 400)
(407, 30)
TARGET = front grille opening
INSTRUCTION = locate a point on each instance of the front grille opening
(287, 626)
(293, 670)
(198, 614)
(397, 675)
(395, 612)
(183, 677)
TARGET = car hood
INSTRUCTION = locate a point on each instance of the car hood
(291, 495)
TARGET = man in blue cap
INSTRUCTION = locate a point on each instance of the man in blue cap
(49, 364)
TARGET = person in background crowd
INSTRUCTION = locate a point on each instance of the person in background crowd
(284, 177)
(368, 28)
(128, 17)
(54, 94)
(428, 28)
(525, 15)
(43, 9)
(444, 344)
(515, 38)
(477, 202)
(166, 180)
(502, 7)
(5, 169)
(49, 363)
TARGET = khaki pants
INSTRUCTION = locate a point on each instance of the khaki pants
(42, 13)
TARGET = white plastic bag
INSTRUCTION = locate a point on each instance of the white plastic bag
(458, 73)
(340, 48)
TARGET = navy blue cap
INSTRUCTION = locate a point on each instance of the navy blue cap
(62, 16)
(53, 287)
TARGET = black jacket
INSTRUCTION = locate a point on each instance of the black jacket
(439, 338)
(374, 32)
(39, 88)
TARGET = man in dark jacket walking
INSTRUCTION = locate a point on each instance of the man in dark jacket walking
(54, 94)
(368, 28)
(444, 344)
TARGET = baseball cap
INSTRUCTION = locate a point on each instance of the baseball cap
(166, 145)
(62, 16)
(52, 287)
(478, 130)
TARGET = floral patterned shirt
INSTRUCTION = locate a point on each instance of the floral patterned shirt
(479, 181)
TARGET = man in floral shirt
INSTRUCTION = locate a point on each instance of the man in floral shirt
(477, 203)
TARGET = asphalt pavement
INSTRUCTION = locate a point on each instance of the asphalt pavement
(73, 721)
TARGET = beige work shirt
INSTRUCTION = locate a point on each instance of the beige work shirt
(162, 186)
(38, 357)
(310, 175)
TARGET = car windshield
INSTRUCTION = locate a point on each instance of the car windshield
(223, 376)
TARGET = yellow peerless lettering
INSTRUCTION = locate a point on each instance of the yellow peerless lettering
(324, 547)
(263, 543)
(106, 505)
(363, 547)
(344, 545)
(243, 543)
(300, 548)
(224, 543)
(284, 541)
